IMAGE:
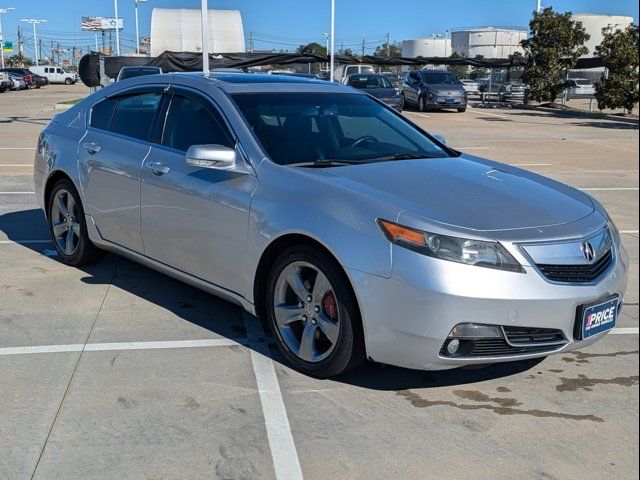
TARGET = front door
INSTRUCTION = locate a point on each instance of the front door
(195, 219)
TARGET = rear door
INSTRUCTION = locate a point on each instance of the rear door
(111, 156)
(195, 219)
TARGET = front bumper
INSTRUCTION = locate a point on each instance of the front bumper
(408, 317)
(443, 102)
(394, 102)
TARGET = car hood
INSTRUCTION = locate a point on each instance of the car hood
(467, 192)
(444, 88)
(381, 92)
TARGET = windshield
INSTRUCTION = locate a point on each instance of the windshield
(297, 128)
(439, 78)
(136, 72)
(369, 81)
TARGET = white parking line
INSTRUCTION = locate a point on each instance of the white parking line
(17, 165)
(471, 148)
(283, 449)
(487, 113)
(17, 148)
(22, 242)
(625, 331)
(17, 193)
(419, 114)
(610, 189)
(630, 232)
(106, 347)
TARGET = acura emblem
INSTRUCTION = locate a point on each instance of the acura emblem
(588, 252)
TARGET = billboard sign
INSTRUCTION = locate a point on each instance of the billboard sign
(101, 23)
(7, 47)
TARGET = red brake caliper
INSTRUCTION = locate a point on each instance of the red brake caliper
(329, 306)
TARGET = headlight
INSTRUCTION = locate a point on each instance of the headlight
(615, 233)
(453, 249)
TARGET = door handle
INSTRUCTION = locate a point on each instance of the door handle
(91, 148)
(157, 168)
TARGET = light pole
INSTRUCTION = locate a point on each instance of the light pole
(539, 6)
(326, 40)
(137, 31)
(205, 37)
(34, 22)
(2, 12)
(333, 36)
(115, 7)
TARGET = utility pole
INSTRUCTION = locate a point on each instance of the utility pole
(53, 57)
(333, 39)
(137, 30)
(251, 41)
(363, 43)
(19, 41)
(539, 6)
(388, 44)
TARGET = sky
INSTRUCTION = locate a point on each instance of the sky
(284, 24)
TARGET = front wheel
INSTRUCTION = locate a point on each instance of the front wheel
(68, 226)
(422, 104)
(68, 81)
(462, 109)
(313, 314)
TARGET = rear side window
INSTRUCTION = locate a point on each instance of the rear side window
(134, 114)
(191, 122)
(102, 112)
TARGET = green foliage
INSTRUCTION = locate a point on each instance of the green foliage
(459, 71)
(314, 47)
(479, 72)
(619, 53)
(555, 45)
(17, 61)
(388, 49)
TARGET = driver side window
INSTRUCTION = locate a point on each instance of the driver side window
(192, 122)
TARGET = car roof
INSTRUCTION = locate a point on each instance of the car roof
(264, 83)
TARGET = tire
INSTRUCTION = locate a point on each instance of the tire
(335, 308)
(68, 81)
(75, 248)
(462, 109)
(422, 106)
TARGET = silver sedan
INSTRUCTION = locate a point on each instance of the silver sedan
(353, 232)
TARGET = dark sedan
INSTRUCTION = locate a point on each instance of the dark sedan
(377, 86)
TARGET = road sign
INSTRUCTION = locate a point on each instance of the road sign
(7, 47)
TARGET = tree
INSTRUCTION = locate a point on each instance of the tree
(388, 50)
(555, 45)
(313, 47)
(17, 61)
(459, 71)
(619, 53)
(479, 72)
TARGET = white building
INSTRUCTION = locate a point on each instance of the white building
(180, 30)
(426, 47)
(594, 24)
(488, 42)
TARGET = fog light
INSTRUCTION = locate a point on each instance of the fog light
(475, 330)
(453, 346)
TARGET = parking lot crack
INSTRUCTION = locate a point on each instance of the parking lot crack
(75, 368)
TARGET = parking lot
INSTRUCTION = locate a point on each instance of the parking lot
(115, 371)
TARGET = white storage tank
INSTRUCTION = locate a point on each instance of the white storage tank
(426, 47)
(180, 30)
(488, 42)
(594, 24)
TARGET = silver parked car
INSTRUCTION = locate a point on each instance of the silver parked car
(356, 234)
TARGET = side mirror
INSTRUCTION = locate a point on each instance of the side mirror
(211, 156)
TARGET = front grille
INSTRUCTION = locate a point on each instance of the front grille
(518, 341)
(577, 273)
(530, 336)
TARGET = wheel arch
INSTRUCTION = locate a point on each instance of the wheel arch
(270, 255)
(54, 178)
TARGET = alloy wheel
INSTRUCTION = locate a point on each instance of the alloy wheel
(306, 311)
(65, 222)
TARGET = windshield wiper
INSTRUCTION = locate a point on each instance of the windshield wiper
(326, 162)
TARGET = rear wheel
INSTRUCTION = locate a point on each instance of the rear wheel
(68, 226)
(313, 314)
